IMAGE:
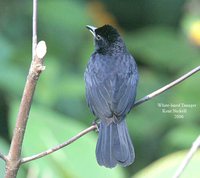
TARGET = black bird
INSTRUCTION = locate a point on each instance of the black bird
(111, 79)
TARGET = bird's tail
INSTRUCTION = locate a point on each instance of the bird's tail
(114, 145)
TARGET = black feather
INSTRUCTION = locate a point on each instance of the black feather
(111, 79)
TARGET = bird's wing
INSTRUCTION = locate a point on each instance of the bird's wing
(124, 96)
(114, 93)
(97, 96)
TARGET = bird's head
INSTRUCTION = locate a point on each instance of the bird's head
(106, 38)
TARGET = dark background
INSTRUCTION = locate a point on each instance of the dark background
(164, 38)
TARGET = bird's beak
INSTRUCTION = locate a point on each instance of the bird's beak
(92, 29)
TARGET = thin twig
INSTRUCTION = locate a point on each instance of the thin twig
(93, 127)
(34, 32)
(192, 151)
(166, 87)
(51, 150)
(2, 156)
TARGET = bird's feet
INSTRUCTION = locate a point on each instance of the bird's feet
(96, 122)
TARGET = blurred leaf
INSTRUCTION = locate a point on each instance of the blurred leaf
(68, 94)
(6, 50)
(191, 21)
(8, 72)
(65, 29)
(179, 138)
(163, 48)
(166, 167)
(47, 129)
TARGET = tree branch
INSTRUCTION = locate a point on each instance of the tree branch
(51, 150)
(185, 162)
(2, 156)
(93, 127)
(38, 53)
(166, 87)
(14, 155)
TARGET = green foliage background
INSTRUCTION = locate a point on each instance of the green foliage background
(155, 33)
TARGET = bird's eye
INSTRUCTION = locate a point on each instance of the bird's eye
(98, 37)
